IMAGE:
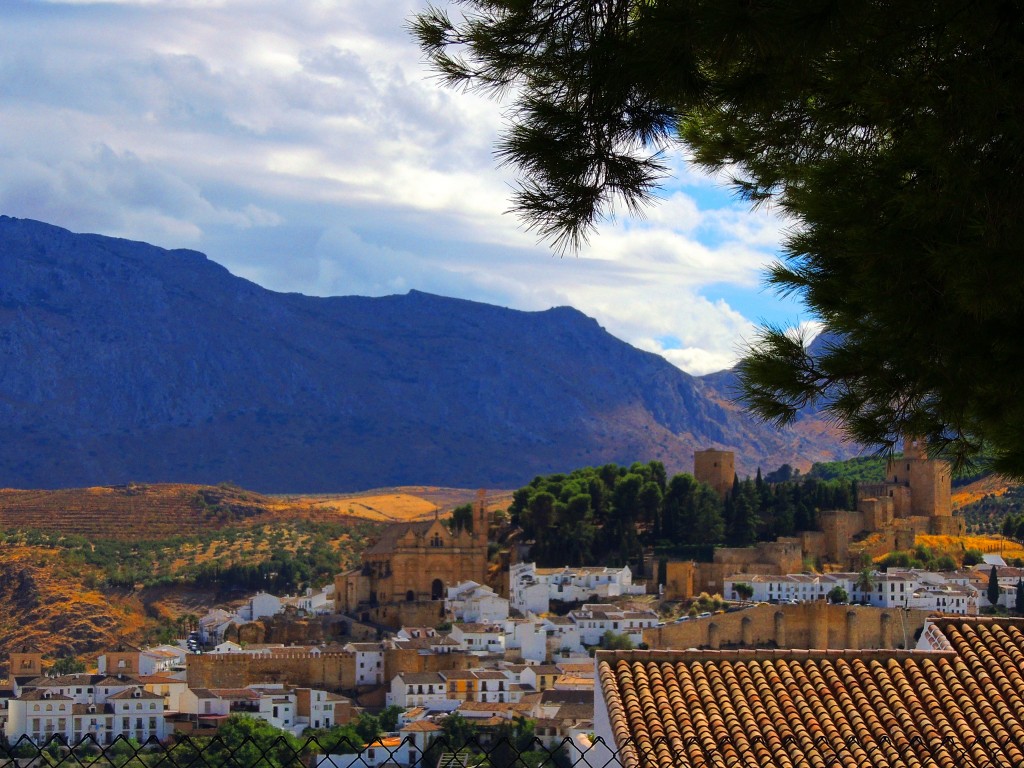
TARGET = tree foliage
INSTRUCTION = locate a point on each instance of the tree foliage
(992, 592)
(889, 135)
(608, 514)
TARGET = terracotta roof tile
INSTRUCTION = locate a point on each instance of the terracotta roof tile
(789, 709)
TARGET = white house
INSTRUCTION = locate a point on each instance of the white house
(526, 594)
(418, 736)
(418, 689)
(472, 602)
(369, 662)
(213, 625)
(262, 605)
(594, 619)
(479, 638)
(313, 603)
(320, 709)
(279, 707)
(567, 584)
(109, 711)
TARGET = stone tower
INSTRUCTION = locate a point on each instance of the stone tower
(716, 468)
(929, 480)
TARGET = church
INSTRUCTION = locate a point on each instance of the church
(405, 574)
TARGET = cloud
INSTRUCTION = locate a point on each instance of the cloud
(305, 146)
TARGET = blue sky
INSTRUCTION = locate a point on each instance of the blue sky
(304, 146)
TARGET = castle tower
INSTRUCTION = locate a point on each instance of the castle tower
(929, 480)
(716, 468)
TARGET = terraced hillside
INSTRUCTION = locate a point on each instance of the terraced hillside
(157, 511)
(84, 568)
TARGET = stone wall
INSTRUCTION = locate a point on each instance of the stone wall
(333, 671)
(808, 625)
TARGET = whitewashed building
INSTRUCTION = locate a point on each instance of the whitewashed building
(479, 638)
(369, 662)
(567, 584)
(418, 689)
(105, 708)
(477, 603)
(262, 605)
(594, 619)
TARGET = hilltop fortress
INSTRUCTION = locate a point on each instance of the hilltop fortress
(914, 499)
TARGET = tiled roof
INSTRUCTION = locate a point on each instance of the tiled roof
(782, 709)
(135, 693)
(37, 695)
(421, 678)
(424, 726)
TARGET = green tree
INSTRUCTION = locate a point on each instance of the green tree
(388, 719)
(67, 665)
(992, 592)
(743, 590)
(838, 595)
(889, 135)
(865, 584)
(1018, 601)
(972, 557)
(457, 732)
(613, 641)
(462, 518)
(244, 740)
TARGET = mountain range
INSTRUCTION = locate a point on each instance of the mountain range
(124, 362)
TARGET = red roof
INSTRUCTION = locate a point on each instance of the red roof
(791, 709)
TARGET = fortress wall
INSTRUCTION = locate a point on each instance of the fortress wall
(808, 625)
(330, 671)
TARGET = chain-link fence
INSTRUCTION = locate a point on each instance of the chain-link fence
(441, 752)
(283, 752)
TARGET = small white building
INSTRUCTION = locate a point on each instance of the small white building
(369, 662)
(594, 619)
(213, 625)
(262, 605)
(418, 689)
(476, 603)
(110, 711)
(479, 638)
(567, 584)
(313, 603)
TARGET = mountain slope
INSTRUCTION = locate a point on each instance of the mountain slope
(120, 362)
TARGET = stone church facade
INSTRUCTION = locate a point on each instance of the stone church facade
(405, 574)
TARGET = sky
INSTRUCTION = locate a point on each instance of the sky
(306, 146)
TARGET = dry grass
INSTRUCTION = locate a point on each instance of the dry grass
(166, 510)
(990, 485)
(957, 545)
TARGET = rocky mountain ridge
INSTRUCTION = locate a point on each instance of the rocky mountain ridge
(122, 362)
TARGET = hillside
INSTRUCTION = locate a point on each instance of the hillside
(121, 362)
(148, 512)
(84, 567)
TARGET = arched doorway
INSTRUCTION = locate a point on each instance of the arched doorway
(410, 596)
(437, 589)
